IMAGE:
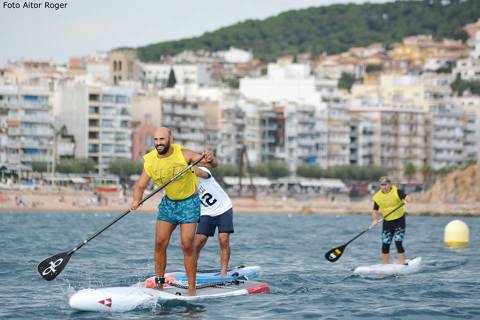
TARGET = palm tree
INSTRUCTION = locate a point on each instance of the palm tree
(410, 170)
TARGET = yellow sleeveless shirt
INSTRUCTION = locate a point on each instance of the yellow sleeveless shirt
(388, 202)
(160, 170)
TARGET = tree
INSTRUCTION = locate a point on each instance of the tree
(272, 169)
(374, 68)
(309, 171)
(427, 173)
(410, 170)
(76, 166)
(459, 86)
(172, 80)
(346, 81)
(232, 82)
(224, 170)
(39, 166)
(124, 168)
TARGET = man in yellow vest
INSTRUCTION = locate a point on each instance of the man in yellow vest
(179, 206)
(387, 199)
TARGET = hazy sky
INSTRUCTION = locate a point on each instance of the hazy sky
(87, 26)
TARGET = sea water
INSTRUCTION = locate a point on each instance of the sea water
(289, 248)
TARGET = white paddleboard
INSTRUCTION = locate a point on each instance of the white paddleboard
(412, 266)
(121, 299)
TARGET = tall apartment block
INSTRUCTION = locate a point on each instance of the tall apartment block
(99, 118)
(29, 135)
(446, 137)
(186, 120)
(396, 138)
(232, 126)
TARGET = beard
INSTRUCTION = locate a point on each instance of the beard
(165, 149)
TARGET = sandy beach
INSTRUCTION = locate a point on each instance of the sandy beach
(69, 200)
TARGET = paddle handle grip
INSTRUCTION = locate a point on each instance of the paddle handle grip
(81, 244)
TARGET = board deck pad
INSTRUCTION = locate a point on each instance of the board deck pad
(246, 273)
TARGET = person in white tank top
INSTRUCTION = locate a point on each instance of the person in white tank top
(216, 212)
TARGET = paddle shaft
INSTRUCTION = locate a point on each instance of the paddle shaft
(373, 225)
(81, 244)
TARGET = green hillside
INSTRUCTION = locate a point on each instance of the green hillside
(331, 29)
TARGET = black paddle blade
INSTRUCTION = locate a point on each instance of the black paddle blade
(335, 253)
(51, 267)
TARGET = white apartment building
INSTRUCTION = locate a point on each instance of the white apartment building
(231, 131)
(468, 69)
(252, 136)
(395, 137)
(446, 137)
(28, 125)
(471, 107)
(99, 118)
(362, 140)
(186, 120)
(305, 135)
(207, 112)
(433, 63)
(156, 75)
(337, 127)
(272, 126)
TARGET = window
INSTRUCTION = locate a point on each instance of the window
(108, 98)
(107, 123)
(93, 110)
(121, 99)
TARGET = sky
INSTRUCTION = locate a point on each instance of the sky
(89, 26)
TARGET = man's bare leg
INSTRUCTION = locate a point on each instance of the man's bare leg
(187, 237)
(163, 232)
(386, 258)
(224, 241)
(401, 258)
(200, 241)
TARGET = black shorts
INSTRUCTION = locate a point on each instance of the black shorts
(393, 230)
(224, 222)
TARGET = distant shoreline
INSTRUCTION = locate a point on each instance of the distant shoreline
(82, 201)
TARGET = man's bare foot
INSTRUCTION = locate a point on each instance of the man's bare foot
(192, 292)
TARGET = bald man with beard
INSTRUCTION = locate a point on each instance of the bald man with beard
(180, 204)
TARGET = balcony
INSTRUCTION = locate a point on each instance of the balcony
(182, 111)
(189, 136)
(42, 132)
(36, 158)
(46, 119)
(448, 157)
(450, 145)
